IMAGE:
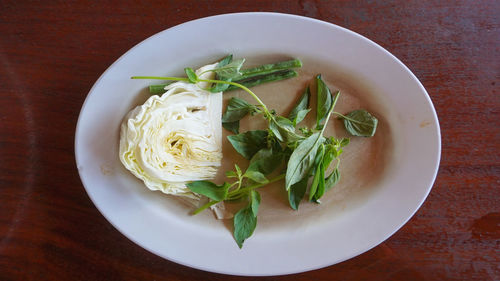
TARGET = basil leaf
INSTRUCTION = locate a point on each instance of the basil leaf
(302, 159)
(300, 116)
(193, 78)
(318, 162)
(320, 191)
(329, 155)
(209, 189)
(229, 71)
(265, 161)
(225, 61)
(232, 126)
(332, 179)
(314, 186)
(273, 126)
(297, 192)
(249, 143)
(360, 123)
(283, 129)
(301, 108)
(219, 87)
(318, 159)
(324, 103)
(254, 202)
(244, 222)
(236, 109)
(256, 176)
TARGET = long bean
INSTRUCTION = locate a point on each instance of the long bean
(276, 76)
(267, 69)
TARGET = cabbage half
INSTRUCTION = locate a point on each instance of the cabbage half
(174, 138)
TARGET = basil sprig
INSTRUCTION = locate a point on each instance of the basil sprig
(311, 159)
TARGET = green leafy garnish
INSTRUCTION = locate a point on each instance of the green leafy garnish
(332, 179)
(306, 153)
(236, 109)
(245, 221)
(324, 101)
(254, 202)
(297, 192)
(193, 78)
(283, 129)
(232, 126)
(230, 70)
(209, 189)
(222, 87)
(249, 143)
(302, 159)
(266, 160)
(300, 110)
(360, 123)
(318, 177)
(256, 176)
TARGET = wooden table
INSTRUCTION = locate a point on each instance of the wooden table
(52, 52)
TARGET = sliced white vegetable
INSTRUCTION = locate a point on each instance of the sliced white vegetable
(174, 138)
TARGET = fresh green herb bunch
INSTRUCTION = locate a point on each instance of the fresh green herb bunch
(307, 154)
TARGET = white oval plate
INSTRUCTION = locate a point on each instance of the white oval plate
(166, 229)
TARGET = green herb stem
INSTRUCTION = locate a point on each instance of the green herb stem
(235, 183)
(236, 194)
(239, 184)
(205, 206)
(330, 112)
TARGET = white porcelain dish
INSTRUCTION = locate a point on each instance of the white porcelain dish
(164, 227)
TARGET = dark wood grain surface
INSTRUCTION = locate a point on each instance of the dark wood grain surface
(51, 53)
